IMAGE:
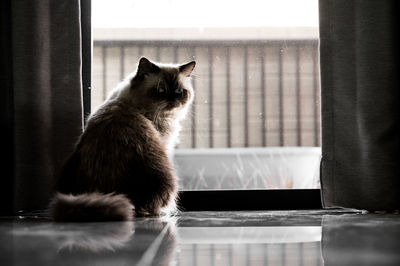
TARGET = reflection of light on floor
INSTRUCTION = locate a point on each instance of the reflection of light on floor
(249, 235)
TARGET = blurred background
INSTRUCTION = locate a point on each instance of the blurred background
(255, 121)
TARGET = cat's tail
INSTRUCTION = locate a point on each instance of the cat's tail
(90, 207)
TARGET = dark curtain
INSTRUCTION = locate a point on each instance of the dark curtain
(42, 103)
(359, 49)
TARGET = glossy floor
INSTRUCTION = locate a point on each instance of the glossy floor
(207, 238)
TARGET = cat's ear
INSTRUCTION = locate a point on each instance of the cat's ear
(146, 67)
(187, 69)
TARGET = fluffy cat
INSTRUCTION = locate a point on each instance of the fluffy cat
(121, 163)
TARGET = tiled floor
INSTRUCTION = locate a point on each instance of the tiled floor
(207, 238)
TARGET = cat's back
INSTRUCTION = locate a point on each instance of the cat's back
(114, 136)
(114, 120)
(110, 147)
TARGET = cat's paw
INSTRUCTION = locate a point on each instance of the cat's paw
(168, 196)
(142, 212)
(166, 199)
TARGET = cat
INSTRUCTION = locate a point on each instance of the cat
(121, 165)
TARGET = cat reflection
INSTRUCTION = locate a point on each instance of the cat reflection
(96, 237)
(121, 241)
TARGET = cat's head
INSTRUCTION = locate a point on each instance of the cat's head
(162, 87)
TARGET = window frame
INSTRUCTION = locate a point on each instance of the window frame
(204, 200)
(87, 55)
(253, 199)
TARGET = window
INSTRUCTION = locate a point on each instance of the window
(255, 121)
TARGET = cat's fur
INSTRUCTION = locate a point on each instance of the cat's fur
(121, 164)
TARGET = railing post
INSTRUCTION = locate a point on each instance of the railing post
(281, 114)
(228, 97)
(104, 74)
(246, 97)
(210, 96)
(298, 97)
(263, 98)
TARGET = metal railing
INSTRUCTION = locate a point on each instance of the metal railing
(248, 93)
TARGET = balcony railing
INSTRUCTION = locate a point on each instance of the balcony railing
(252, 93)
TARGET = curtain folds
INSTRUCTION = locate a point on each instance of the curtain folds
(45, 84)
(359, 56)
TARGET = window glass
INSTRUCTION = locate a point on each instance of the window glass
(255, 121)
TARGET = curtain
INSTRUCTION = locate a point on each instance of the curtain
(43, 106)
(359, 53)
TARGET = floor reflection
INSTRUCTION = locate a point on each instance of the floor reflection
(251, 254)
(208, 238)
(250, 245)
(112, 243)
(95, 238)
(371, 239)
(249, 234)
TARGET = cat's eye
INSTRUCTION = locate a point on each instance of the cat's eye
(179, 91)
(160, 90)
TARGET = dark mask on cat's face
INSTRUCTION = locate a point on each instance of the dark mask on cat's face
(162, 87)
